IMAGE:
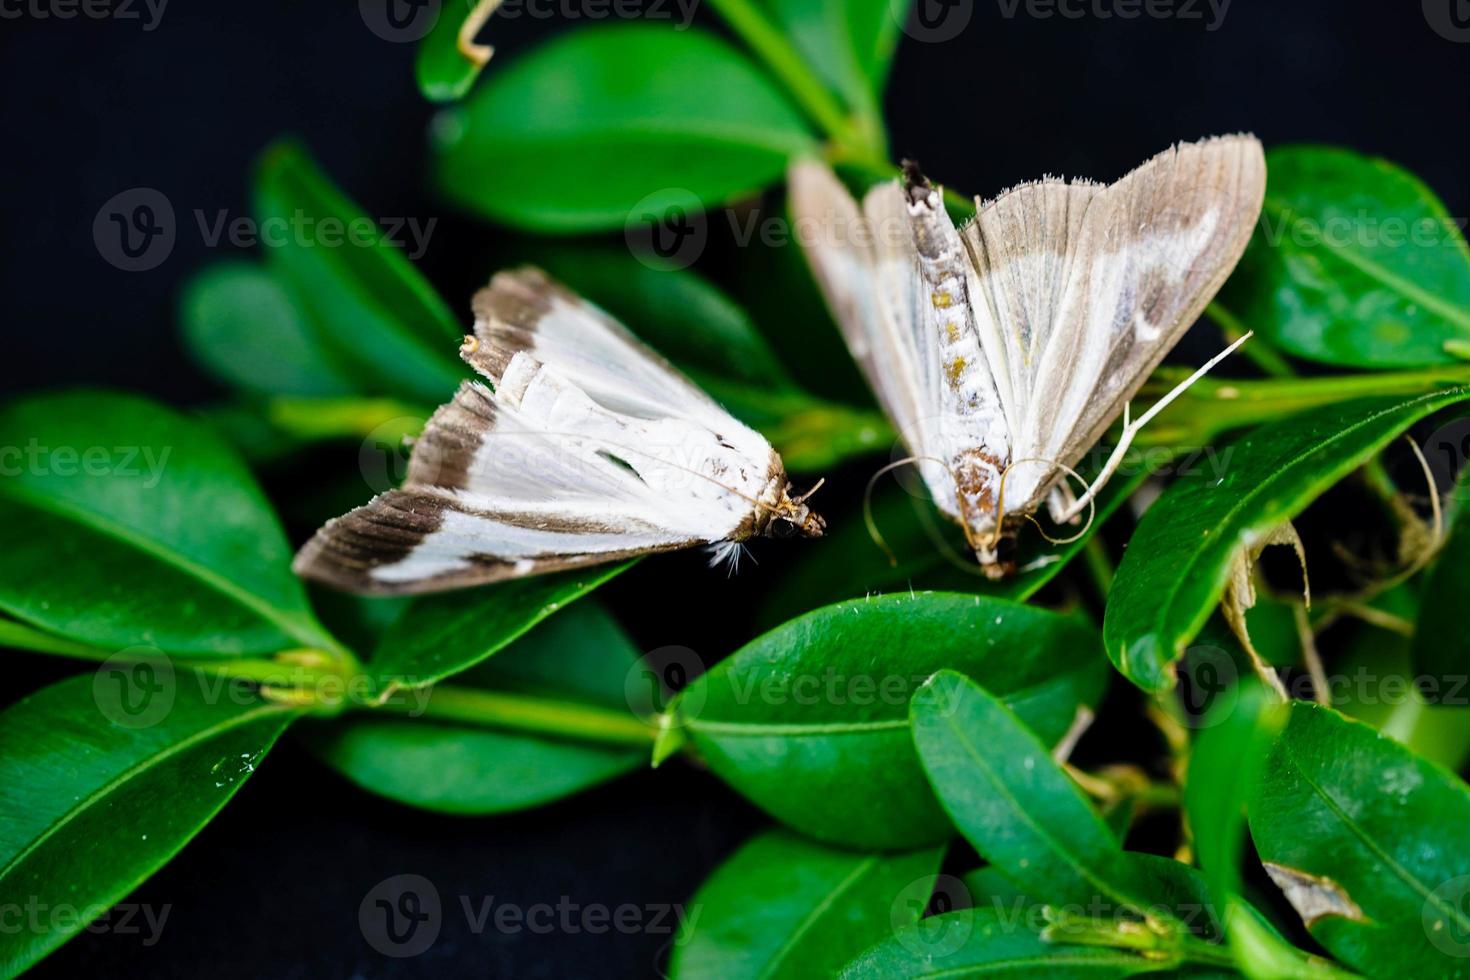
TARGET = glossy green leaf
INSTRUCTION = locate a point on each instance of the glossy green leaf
(810, 720)
(1355, 262)
(1371, 844)
(849, 43)
(102, 780)
(928, 552)
(575, 134)
(580, 657)
(1373, 680)
(376, 311)
(1441, 645)
(784, 908)
(128, 524)
(443, 634)
(998, 782)
(444, 67)
(1178, 561)
(244, 327)
(984, 943)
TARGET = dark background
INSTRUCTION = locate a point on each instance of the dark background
(93, 107)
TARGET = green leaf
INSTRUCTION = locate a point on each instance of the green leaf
(998, 782)
(928, 552)
(131, 525)
(784, 907)
(1355, 262)
(576, 134)
(579, 657)
(377, 313)
(102, 781)
(1372, 842)
(987, 942)
(443, 634)
(1178, 562)
(244, 327)
(849, 43)
(1441, 644)
(444, 67)
(810, 720)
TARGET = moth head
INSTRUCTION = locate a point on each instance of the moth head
(997, 554)
(792, 518)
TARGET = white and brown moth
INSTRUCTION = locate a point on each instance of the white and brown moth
(585, 447)
(1003, 350)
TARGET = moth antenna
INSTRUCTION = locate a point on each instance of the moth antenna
(1435, 507)
(872, 525)
(1132, 428)
(1000, 498)
(817, 486)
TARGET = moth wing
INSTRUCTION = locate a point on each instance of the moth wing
(1141, 264)
(864, 263)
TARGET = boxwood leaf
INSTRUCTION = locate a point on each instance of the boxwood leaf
(849, 43)
(243, 326)
(579, 657)
(575, 134)
(998, 782)
(1370, 843)
(785, 907)
(448, 60)
(986, 942)
(1178, 561)
(1355, 262)
(376, 310)
(128, 524)
(1441, 645)
(99, 789)
(810, 720)
(443, 634)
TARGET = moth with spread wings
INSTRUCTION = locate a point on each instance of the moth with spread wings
(1004, 349)
(588, 448)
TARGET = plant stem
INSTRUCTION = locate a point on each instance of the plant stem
(525, 713)
(1099, 566)
(787, 64)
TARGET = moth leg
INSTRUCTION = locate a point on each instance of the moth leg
(1061, 503)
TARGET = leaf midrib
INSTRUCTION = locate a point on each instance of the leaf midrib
(811, 918)
(1352, 255)
(290, 624)
(1326, 478)
(641, 130)
(1399, 871)
(107, 788)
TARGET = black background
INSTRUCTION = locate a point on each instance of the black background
(93, 107)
